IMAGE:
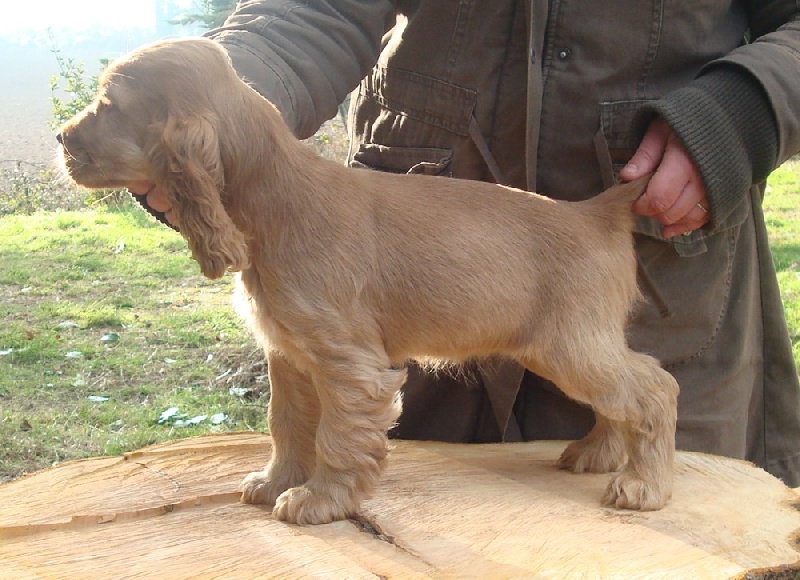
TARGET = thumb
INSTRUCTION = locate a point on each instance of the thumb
(649, 153)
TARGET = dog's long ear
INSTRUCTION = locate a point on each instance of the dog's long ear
(188, 157)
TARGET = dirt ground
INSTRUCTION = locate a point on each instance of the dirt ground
(24, 134)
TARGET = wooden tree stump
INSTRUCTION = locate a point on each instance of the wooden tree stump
(442, 510)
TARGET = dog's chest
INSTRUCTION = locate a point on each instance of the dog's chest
(261, 312)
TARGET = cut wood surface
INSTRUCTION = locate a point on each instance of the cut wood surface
(443, 510)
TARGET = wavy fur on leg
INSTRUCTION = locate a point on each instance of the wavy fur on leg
(294, 413)
(601, 451)
(346, 274)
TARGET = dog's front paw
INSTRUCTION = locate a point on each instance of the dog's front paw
(593, 455)
(627, 491)
(301, 505)
(264, 487)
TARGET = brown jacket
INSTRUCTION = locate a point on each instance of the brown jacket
(554, 96)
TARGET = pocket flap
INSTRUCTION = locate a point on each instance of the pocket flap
(424, 160)
(424, 98)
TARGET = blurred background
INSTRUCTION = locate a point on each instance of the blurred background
(34, 33)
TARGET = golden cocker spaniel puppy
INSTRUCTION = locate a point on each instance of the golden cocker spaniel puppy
(346, 274)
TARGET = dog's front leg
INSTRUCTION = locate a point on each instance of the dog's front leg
(359, 403)
(293, 417)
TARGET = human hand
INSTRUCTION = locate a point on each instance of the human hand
(676, 195)
(156, 198)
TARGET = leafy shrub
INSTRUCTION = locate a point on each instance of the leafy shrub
(71, 89)
(212, 13)
(29, 187)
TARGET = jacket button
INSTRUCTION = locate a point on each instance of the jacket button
(564, 54)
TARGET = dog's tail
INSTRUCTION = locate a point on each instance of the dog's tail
(614, 204)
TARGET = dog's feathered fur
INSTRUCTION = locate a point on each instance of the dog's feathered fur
(346, 274)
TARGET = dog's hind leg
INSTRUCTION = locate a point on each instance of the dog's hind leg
(646, 482)
(638, 400)
(601, 451)
(293, 417)
(358, 393)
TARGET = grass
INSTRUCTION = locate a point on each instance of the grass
(112, 340)
(107, 324)
(782, 214)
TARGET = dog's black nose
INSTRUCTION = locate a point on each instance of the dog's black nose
(59, 138)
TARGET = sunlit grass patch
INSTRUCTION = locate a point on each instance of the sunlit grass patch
(107, 322)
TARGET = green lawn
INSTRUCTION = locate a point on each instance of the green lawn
(107, 324)
(112, 340)
(782, 213)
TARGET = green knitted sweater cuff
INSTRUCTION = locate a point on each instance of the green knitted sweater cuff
(725, 121)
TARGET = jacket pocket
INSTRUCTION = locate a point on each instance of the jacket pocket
(687, 279)
(426, 99)
(615, 143)
(401, 121)
(687, 298)
(421, 160)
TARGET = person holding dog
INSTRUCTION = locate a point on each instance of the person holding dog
(564, 98)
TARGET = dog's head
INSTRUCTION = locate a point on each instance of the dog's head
(156, 117)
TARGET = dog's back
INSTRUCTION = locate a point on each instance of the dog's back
(456, 255)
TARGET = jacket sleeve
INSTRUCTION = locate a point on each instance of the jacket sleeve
(305, 56)
(773, 60)
(740, 118)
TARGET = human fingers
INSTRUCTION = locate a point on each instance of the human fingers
(676, 194)
(686, 226)
(679, 168)
(693, 214)
(157, 199)
(649, 153)
(661, 195)
(662, 200)
(690, 209)
(169, 215)
(140, 187)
